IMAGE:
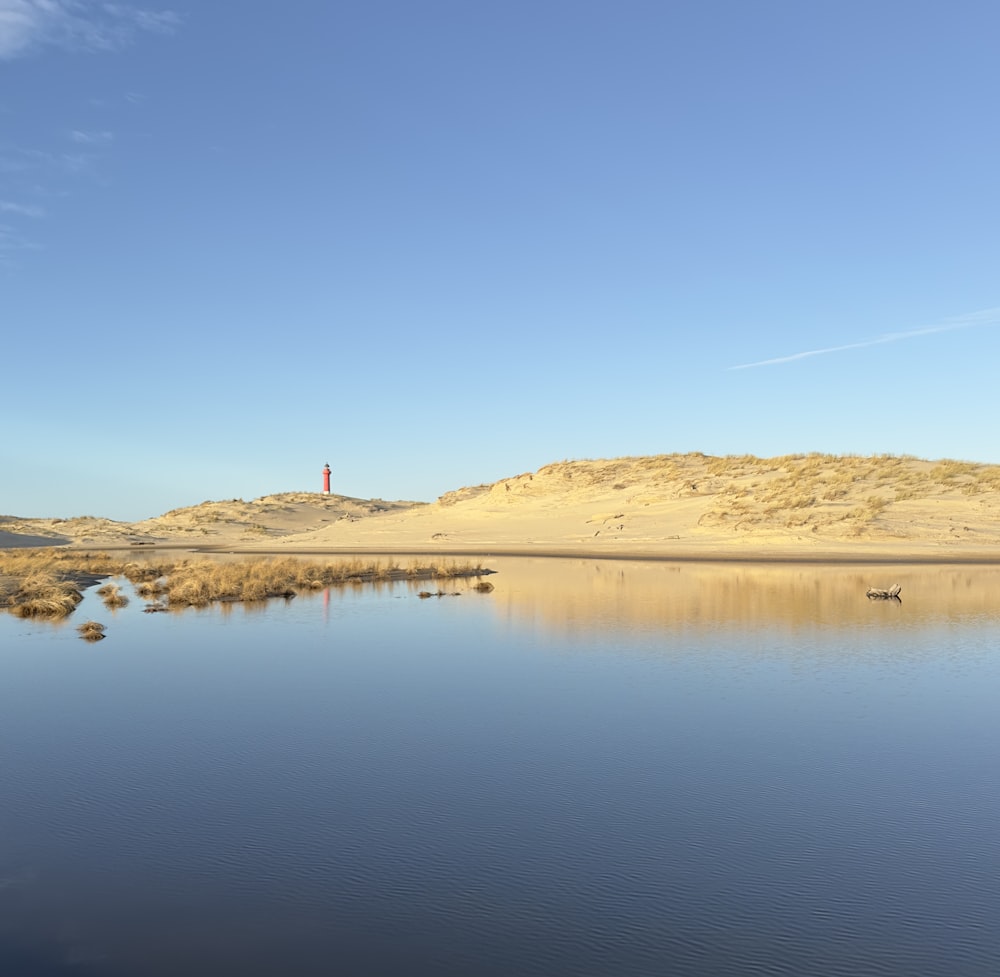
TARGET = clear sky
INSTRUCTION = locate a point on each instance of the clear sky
(440, 242)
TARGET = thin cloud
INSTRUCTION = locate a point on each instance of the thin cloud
(82, 25)
(75, 162)
(11, 242)
(91, 138)
(26, 161)
(22, 210)
(986, 317)
(153, 21)
(28, 27)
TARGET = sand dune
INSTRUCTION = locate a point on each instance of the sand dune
(688, 506)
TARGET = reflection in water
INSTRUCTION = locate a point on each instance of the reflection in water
(578, 595)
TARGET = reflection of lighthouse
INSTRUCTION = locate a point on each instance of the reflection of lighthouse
(326, 479)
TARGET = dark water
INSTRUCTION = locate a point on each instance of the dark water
(597, 769)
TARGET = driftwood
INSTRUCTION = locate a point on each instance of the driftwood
(892, 593)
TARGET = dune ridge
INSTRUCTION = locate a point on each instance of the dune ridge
(810, 506)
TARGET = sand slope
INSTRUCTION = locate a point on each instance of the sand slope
(802, 507)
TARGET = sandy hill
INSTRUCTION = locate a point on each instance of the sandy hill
(802, 506)
(696, 505)
(225, 523)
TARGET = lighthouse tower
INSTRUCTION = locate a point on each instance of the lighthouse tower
(326, 479)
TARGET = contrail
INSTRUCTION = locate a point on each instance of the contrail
(987, 317)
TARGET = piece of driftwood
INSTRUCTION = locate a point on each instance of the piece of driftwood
(892, 593)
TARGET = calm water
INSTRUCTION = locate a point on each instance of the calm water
(598, 769)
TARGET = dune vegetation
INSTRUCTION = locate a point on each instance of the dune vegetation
(48, 582)
(43, 593)
(836, 497)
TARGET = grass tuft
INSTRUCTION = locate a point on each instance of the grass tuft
(91, 631)
(112, 596)
(43, 594)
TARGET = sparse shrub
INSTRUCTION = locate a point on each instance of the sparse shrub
(876, 503)
(989, 478)
(947, 469)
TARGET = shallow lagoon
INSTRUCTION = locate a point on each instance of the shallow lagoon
(600, 768)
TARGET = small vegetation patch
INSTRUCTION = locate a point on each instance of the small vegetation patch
(44, 594)
(112, 596)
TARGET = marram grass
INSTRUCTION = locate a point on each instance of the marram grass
(42, 593)
(112, 596)
(46, 578)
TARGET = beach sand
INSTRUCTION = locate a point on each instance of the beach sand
(805, 507)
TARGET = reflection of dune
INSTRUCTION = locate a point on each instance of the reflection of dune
(572, 595)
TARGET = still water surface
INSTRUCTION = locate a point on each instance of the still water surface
(600, 768)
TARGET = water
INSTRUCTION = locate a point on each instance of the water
(600, 768)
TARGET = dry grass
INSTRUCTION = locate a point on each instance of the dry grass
(112, 596)
(47, 578)
(44, 594)
(207, 581)
(149, 589)
(838, 496)
(818, 492)
(91, 631)
(946, 470)
(21, 562)
(985, 479)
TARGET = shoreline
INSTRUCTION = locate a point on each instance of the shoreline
(767, 556)
(645, 557)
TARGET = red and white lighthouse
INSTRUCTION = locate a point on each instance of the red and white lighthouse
(326, 479)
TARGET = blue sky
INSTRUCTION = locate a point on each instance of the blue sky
(439, 243)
